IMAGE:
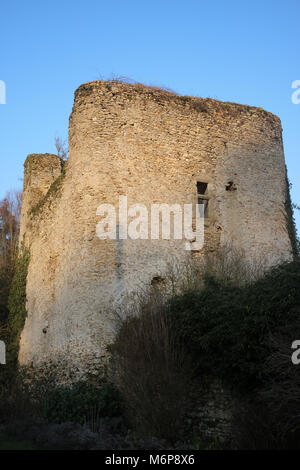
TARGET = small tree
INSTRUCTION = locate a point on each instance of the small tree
(61, 148)
(10, 211)
(151, 370)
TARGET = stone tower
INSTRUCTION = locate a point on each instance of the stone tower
(40, 171)
(153, 147)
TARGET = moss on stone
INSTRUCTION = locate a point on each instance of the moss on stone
(35, 161)
(52, 193)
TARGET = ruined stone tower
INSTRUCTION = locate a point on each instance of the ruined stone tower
(153, 147)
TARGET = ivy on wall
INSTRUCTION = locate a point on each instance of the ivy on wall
(290, 221)
(17, 306)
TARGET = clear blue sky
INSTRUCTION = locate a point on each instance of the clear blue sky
(242, 51)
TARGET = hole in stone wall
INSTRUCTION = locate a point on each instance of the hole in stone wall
(230, 186)
(157, 280)
(201, 188)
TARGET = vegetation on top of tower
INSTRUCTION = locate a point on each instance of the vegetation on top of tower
(52, 193)
(36, 161)
(163, 94)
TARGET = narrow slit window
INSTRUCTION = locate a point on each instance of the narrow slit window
(203, 198)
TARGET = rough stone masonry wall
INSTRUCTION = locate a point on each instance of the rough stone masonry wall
(40, 171)
(152, 146)
(209, 412)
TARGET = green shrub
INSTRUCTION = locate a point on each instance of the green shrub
(5, 280)
(290, 220)
(76, 402)
(226, 328)
(17, 315)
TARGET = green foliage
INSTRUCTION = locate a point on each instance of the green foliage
(17, 307)
(75, 403)
(290, 221)
(9, 235)
(4, 293)
(226, 328)
(203, 442)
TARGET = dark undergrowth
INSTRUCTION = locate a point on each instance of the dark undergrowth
(241, 333)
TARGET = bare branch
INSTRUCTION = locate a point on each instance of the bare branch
(61, 148)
